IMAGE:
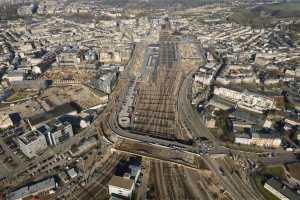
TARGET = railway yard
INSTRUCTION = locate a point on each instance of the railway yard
(174, 173)
(154, 105)
(105, 129)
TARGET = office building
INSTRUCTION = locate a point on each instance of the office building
(56, 132)
(123, 183)
(120, 186)
(105, 82)
(69, 58)
(263, 140)
(31, 143)
(33, 189)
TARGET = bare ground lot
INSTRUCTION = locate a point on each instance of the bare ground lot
(55, 96)
(25, 109)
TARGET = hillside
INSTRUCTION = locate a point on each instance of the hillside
(266, 15)
(158, 3)
(282, 10)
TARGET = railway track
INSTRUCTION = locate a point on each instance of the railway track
(92, 189)
(155, 107)
(182, 183)
(170, 182)
(238, 183)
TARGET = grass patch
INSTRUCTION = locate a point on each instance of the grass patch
(259, 184)
(242, 147)
(15, 98)
(19, 96)
(276, 171)
(3, 105)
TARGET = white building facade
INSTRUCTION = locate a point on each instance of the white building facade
(32, 143)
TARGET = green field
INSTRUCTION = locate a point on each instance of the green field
(242, 147)
(259, 184)
(19, 95)
(276, 171)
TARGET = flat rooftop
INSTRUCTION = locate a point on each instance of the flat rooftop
(121, 182)
(29, 137)
(32, 189)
